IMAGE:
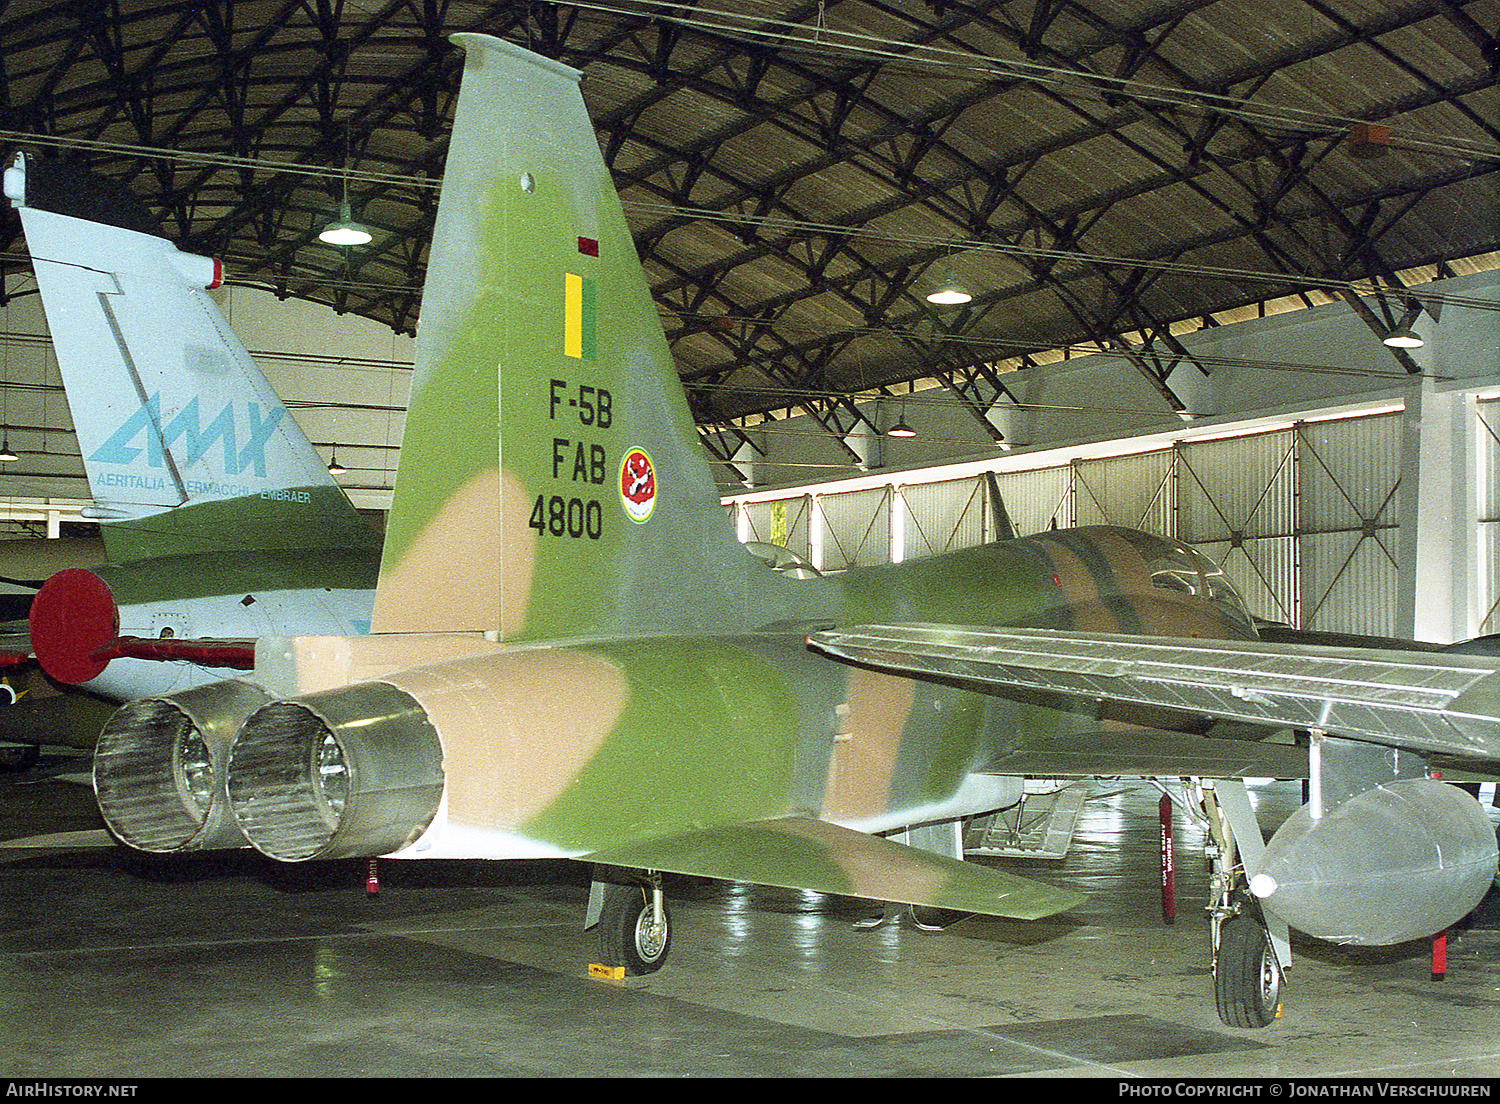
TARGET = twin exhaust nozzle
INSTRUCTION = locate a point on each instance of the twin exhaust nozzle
(350, 772)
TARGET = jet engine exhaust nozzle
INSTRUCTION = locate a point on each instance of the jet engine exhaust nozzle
(351, 772)
(159, 768)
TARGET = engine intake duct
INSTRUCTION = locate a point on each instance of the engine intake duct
(159, 768)
(356, 771)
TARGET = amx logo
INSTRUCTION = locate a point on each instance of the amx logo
(197, 439)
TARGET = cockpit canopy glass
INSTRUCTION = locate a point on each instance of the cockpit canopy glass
(1176, 567)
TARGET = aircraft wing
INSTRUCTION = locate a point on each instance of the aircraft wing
(1439, 702)
(801, 853)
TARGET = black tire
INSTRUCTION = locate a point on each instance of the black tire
(1247, 977)
(626, 937)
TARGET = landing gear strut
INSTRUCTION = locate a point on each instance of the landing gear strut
(1248, 959)
(635, 926)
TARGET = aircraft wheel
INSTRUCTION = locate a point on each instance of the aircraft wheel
(628, 933)
(1247, 977)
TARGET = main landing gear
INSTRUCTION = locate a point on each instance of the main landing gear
(634, 924)
(1248, 957)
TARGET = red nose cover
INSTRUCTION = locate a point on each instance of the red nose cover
(72, 617)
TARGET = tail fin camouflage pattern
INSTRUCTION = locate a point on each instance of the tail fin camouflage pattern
(186, 446)
(579, 502)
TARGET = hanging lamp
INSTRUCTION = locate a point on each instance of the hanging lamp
(1403, 337)
(949, 295)
(344, 230)
(901, 429)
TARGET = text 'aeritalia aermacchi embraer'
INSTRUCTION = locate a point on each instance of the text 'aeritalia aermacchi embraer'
(572, 657)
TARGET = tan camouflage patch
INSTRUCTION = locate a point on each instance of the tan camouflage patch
(874, 867)
(516, 729)
(308, 664)
(1081, 591)
(866, 741)
(453, 578)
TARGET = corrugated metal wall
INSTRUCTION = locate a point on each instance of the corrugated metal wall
(1036, 499)
(1349, 519)
(857, 528)
(1136, 492)
(1237, 501)
(943, 516)
(1304, 520)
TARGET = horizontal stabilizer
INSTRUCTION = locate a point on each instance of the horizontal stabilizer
(800, 853)
(1429, 702)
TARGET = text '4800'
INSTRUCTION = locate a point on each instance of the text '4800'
(554, 515)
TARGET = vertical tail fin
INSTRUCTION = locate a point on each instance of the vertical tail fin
(186, 446)
(552, 482)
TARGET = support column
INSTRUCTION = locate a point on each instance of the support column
(1439, 517)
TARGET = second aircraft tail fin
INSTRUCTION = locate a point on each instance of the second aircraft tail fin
(186, 446)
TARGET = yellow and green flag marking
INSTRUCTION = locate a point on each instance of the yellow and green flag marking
(578, 316)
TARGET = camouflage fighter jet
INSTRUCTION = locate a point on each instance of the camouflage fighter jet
(572, 656)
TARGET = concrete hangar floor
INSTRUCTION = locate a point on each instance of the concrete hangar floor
(113, 965)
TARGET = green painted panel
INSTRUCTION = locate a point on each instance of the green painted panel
(709, 736)
(293, 517)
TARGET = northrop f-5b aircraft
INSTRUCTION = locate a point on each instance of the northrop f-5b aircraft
(572, 657)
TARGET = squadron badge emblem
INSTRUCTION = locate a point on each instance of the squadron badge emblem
(637, 485)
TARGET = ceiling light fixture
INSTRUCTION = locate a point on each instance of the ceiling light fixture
(949, 295)
(6, 455)
(344, 230)
(1403, 337)
(334, 467)
(901, 429)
